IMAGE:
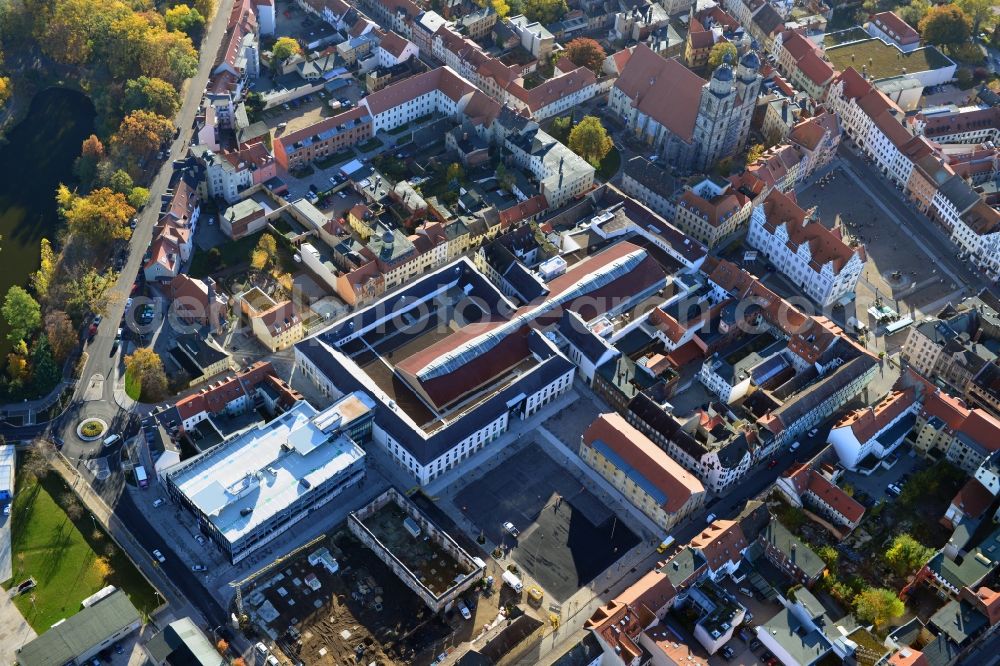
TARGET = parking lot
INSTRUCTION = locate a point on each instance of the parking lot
(567, 535)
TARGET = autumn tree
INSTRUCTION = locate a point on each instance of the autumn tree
(170, 56)
(590, 140)
(146, 367)
(22, 313)
(501, 7)
(91, 153)
(88, 292)
(151, 94)
(42, 278)
(61, 334)
(205, 7)
(45, 372)
(18, 368)
(284, 49)
(718, 54)
(945, 25)
(6, 89)
(878, 606)
(545, 11)
(100, 217)
(138, 197)
(183, 18)
(140, 135)
(906, 555)
(755, 152)
(264, 255)
(222, 645)
(454, 173)
(585, 52)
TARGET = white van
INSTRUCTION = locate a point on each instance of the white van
(108, 441)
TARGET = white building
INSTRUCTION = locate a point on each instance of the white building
(874, 431)
(813, 257)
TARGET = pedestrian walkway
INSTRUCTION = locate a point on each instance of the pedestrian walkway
(14, 630)
(6, 557)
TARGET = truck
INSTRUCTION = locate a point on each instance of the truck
(510, 579)
(140, 476)
(666, 544)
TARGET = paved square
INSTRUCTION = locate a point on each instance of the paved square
(889, 249)
(567, 536)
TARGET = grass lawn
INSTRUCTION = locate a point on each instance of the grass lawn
(609, 165)
(883, 61)
(133, 387)
(231, 253)
(66, 558)
(371, 144)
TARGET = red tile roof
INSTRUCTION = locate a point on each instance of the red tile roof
(973, 499)
(649, 460)
(825, 245)
(721, 542)
(215, 397)
(835, 497)
(867, 422)
(898, 29)
(649, 79)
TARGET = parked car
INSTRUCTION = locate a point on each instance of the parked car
(200, 538)
(159, 556)
(158, 502)
(464, 610)
(198, 567)
(513, 531)
(728, 652)
(710, 518)
(755, 644)
(773, 463)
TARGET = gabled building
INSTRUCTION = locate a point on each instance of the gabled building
(805, 486)
(654, 483)
(813, 257)
(863, 437)
(706, 121)
(888, 27)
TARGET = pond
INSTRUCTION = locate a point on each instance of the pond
(38, 155)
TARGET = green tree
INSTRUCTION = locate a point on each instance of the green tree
(979, 11)
(560, 128)
(545, 11)
(183, 18)
(830, 556)
(120, 182)
(151, 94)
(264, 255)
(590, 140)
(719, 52)
(915, 11)
(878, 606)
(138, 197)
(945, 25)
(907, 555)
(585, 52)
(170, 56)
(22, 313)
(284, 49)
(254, 103)
(45, 373)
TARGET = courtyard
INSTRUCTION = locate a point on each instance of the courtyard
(567, 535)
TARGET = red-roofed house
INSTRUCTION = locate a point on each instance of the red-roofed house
(874, 431)
(888, 27)
(804, 486)
(947, 426)
(812, 256)
(711, 210)
(197, 301)
(721, 544)
(231, 395)
(653, 481)
(971, 501)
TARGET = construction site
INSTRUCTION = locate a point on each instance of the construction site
(334, 602)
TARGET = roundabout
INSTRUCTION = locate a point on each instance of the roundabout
(91, 429)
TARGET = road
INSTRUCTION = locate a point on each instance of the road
(104, 359)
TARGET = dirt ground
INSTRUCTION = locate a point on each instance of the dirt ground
(361, 614)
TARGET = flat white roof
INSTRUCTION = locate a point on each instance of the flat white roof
(7, 468)
(264, 470)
